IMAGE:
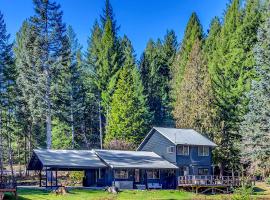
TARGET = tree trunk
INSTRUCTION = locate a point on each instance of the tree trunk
(100, 124)
(72, 124)
(10, 152)
(1, 150)
(48, 111)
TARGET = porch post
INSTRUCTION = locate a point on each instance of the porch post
(56, 179)
(40, 177)
(46, 184)
(51, 178)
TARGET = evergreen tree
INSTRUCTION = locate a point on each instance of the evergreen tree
(193, 32)
(51, 52)
(193, 105)
(212, 42)
(128, 117)
(70, 87)
(226, 91)
(231, 72)
(104, 57)
(7, 99)
(155, 69)
(255, 126)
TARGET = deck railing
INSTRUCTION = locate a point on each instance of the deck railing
(207, 180)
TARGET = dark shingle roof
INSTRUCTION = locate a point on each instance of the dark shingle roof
(134, 159)
(184, 136)
(69, 159)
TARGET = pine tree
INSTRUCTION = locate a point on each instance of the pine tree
(212, 42)
(51, 53)
(230, 73)
(193, 105)
(225, 90)
(128, 117)
(7, 98)
(70, 88)
(193, 32)
(155, 69)
(104, 57)
(255, 126)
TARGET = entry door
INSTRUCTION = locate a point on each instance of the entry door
(184, 170)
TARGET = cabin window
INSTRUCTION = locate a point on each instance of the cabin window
(170, 149)
(183, 150)
(121, 174)
(203, 151)
(203, 171)
(153, 174)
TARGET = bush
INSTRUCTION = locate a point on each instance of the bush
(267, 180)
(76, 177)
(242, 193)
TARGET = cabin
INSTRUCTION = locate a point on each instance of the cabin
(190, 151)
(165, 155)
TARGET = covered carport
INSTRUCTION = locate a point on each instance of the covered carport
(62, 160)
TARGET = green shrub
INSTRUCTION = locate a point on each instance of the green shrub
(242, 193)
(76, 177)
(267, 180)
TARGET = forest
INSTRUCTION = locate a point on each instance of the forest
(56, 95)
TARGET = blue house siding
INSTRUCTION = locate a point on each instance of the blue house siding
(91, 178)
(194, 161)
(158, 144)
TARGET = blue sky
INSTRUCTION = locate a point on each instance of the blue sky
(140, 20)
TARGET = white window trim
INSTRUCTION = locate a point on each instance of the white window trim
(182, 154)
(203, 151)
(127, 174)
(153, 177)
(169, 148)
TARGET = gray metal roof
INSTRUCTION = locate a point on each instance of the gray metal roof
(134, 159)
(185, 136)
(71, 159)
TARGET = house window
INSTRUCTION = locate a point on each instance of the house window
(203, 171)
(203, 151)
(170, 149)
(101, 173)
(121, 174)
(153, 174)
(183, 150)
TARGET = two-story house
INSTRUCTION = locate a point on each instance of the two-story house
(163, 156)
(186, 148)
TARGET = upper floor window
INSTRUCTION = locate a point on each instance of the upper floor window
(121, 174)
(203, 151)
(183, 150)
(170, 149)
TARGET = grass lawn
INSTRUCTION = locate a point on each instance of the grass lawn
(261, 191)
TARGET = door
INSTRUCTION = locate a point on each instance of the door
(183, 170)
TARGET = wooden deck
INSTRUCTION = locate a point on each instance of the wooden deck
(205, 183)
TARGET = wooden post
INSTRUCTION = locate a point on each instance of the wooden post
(46, 184)
(56, 179)
(51, 179)
(40, 177)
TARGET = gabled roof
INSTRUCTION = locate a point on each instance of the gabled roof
(134, 159)
(64, 159)
(180, 136)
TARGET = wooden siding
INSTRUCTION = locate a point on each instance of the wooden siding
(196, 161)
(158, 144)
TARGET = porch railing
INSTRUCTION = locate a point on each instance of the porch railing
(207, 180)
